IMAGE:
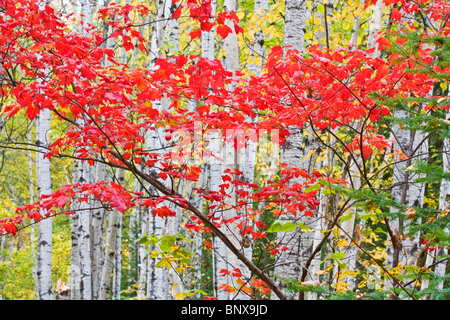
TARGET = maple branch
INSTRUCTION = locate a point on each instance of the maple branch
(191, 207)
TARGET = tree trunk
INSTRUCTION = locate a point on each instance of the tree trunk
(157, 278)
(81, 221)
(111, 250)
(288, 264)
(413, 144)
(356, 27)
(44, 249)
(97, 232)
(375, 27)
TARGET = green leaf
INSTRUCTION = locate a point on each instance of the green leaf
(321, 8)
(328, 192)
(304, 227)
(338, 255)
(148, 240)
(379, 230)
(280, 226)
(347, 217)
(200, 291)
(313, 188)
(182, 237)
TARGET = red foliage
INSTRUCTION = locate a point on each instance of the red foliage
(109, 108)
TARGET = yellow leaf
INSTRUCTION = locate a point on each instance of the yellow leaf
(443, 213)
(180, 296)
(259, 11)
(310, 153)
(314, 283)
(320, 272)
(341, 243)
(410, 213)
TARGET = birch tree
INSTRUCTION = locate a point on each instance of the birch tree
(288, 265)
(45, 233)
(82, 272)
(112, 250)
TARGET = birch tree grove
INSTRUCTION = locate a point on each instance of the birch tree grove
(224, 150)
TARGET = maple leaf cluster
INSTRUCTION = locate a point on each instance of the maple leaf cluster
(64, 72)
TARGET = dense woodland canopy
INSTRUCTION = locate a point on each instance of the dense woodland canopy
(191, 149)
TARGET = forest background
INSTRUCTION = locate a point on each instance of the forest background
(229, 149)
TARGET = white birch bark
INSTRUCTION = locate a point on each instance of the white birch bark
(44, 248)
(409, 193)
(117, 275)
(348, 227)
(157, 278)
(112, 250)
(82, 271)
(288, 264)
(198, 236)
(97, 228)
(97, 231)
(356, 27)
(257, 49)
(45, 229)
(247, 160)
(83, 236)
(223, 257)
(74, 282)
(375, 27)
(142, 223)
(173, 223)
(294, 25)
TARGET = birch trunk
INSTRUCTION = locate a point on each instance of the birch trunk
(288, 264)
(117, 275)
(44, 248)
(82, 228)
(294, 25)
(214, 165)
(74, 249)
(97, 231)
(98, 214)
(375, 27)
(82, 271)
(223, 257)
(45, 229)
(198, 236)
(112, 250)
(401, 248)
(257, 50)
(157, 278)
(356, 26)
